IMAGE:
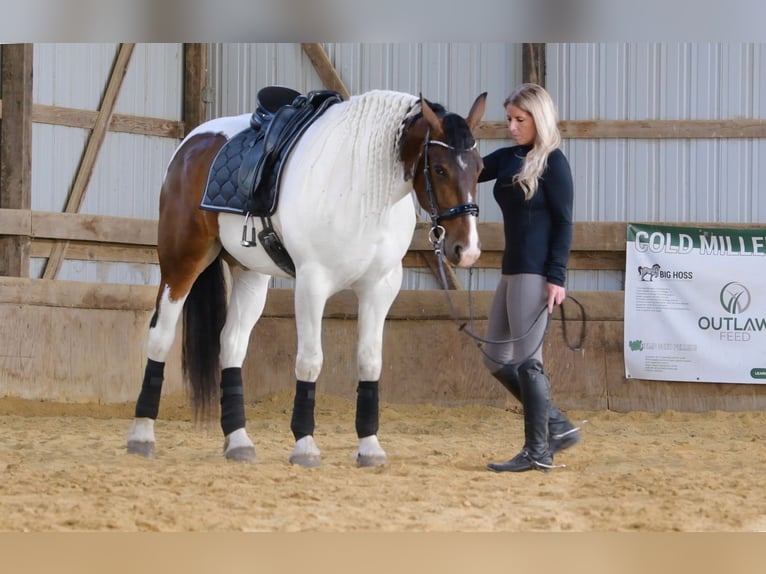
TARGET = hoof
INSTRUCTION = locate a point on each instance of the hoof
(306, 460)
(141, 448)
(367, 460)
(242, 454)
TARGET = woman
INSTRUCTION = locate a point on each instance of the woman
(533, 186)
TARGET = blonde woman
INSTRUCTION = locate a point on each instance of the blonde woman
(534, 189)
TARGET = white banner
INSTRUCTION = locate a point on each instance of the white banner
(695, 304)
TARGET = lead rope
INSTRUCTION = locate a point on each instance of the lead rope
(436, 236)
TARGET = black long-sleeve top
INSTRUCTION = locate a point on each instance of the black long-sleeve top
(538, 232)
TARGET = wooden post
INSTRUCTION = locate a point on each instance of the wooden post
(16, 150)
(324, 67)
(533, 63)
(195, 86)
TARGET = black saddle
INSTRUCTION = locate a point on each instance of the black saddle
(245, 175)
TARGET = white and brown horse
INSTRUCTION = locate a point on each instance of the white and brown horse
(345, 216)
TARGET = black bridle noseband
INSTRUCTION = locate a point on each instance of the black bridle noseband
(436, 233)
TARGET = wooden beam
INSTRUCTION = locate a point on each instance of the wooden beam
(95, 251)
(428, 259)
(596, 245)
(16, 151)
(78, 227)
(643, 129)
(92, 149)
(195, 86)
(533, 63)
(86, 119)
(327, 73)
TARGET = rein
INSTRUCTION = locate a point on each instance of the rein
(463, 326)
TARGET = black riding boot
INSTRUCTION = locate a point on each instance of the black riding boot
(536, 392)
(561, 432)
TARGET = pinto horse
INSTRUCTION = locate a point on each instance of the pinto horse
(346, 217)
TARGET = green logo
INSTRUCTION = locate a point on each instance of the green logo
(758, 373)
(636, 345)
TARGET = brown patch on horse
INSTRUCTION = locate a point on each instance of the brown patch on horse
(453, 170)
(187, 235)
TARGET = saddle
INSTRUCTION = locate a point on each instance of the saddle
(282, 123)
(245, 175)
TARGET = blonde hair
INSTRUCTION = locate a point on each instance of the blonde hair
(537, 102)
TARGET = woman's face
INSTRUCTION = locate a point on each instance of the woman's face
(521, 125)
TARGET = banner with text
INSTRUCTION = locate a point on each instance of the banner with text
(695, 304)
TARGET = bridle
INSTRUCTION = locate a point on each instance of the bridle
(436, 233)
(436, 236)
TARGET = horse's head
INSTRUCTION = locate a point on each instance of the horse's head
(440, 155)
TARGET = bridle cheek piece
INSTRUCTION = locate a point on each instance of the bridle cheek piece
(436, 233)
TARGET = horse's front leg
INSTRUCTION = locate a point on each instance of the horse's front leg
(248, 297)
(310, 298)
(375, 300)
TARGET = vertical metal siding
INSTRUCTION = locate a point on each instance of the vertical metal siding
(129, 169)
(450, 74)
(615, 180)
(661, 180)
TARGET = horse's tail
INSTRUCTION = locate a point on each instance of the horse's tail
(203, 319)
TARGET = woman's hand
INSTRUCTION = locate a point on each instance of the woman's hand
(556, 295)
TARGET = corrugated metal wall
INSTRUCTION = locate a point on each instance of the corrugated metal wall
(711, 180)
(128, 173)
(452, 74)
(615, 180)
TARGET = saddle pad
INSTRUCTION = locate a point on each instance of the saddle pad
(223, 192)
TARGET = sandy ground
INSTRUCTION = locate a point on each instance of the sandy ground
(64, 468)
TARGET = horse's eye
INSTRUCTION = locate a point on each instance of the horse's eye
(439, 170)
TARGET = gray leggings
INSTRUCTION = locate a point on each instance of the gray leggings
(517, 303)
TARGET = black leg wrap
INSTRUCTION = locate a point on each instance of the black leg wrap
(232, 400)
(302, 422)
(148, 404)
(367, 409)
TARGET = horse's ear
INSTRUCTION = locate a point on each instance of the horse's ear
(433, 122)
(477, 111)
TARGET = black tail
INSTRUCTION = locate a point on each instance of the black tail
(203, 318)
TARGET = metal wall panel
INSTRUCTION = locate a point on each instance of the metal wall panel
(615, 180)
(662, 180)
(683, 180)
(447, 73)
(129, 169)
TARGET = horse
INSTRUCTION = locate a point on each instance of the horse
(346, 216)
(650, 272)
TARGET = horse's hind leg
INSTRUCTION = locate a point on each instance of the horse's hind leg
(375, 299)
(162, 330)
(248, 298)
